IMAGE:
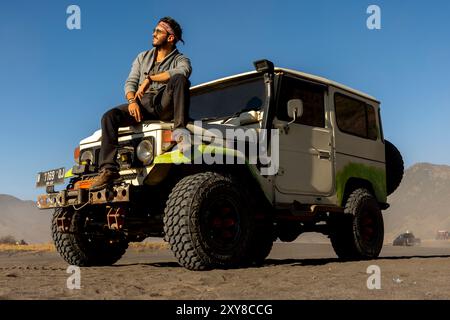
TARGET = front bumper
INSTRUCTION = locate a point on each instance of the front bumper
(64, 198)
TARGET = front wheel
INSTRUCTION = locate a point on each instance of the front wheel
(80, 247)
(358, 234)
(208, 222)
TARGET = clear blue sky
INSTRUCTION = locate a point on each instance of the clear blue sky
(56, 83)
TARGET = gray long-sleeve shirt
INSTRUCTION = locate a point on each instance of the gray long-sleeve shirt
(174, 63)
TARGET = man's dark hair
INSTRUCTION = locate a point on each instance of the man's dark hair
(175, 26)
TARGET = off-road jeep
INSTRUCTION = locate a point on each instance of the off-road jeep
(277, 153)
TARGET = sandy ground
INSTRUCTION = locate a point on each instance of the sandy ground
(292, 271)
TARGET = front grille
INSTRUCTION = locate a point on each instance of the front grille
(126, 157)
(125, 147)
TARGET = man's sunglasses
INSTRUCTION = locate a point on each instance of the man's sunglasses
(159, 31)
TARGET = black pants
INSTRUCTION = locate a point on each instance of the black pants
(170, 103)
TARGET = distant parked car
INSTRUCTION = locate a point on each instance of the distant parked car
(406, 239)
(442, 235)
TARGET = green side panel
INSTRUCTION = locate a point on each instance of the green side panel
(177, 157)
(376, 176)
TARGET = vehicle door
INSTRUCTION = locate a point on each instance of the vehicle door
(305, 157)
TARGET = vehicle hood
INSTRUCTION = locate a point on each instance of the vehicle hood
(144, 127)
(207, 128)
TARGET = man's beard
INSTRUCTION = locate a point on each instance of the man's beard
(162, 44)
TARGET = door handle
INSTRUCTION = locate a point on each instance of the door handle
(322, 155)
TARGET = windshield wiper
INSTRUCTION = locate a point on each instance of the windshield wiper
(237, 114)
(209, 118)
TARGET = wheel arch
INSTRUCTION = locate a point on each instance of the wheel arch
(353, 184)
(354, 175)
(172, 173)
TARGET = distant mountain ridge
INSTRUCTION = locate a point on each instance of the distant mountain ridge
(23, 220)
(421, 205)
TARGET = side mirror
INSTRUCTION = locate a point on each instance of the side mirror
(294, 109)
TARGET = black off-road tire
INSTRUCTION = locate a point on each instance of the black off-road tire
(394, 167)
(78, 248)
(196, 201)
(358, 234)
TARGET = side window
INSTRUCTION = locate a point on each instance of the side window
(355, 117)
(312, 97)
(372, 128)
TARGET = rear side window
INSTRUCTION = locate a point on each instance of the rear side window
(355, 117)
(372, 128)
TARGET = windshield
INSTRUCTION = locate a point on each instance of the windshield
(226, 99)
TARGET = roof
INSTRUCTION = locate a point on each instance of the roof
(303, 75)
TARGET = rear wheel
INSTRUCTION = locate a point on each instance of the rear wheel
(359, 232)
(82, 248)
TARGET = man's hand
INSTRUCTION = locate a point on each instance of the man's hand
(135, 111)
(142, 88)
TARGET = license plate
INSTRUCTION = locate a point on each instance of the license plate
(50, 178)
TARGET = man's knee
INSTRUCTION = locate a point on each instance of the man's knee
(109, 115)
(179, 79)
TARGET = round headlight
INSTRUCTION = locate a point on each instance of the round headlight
(144, 152)
(87, 156)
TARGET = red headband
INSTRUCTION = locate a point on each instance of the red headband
(167, 27)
